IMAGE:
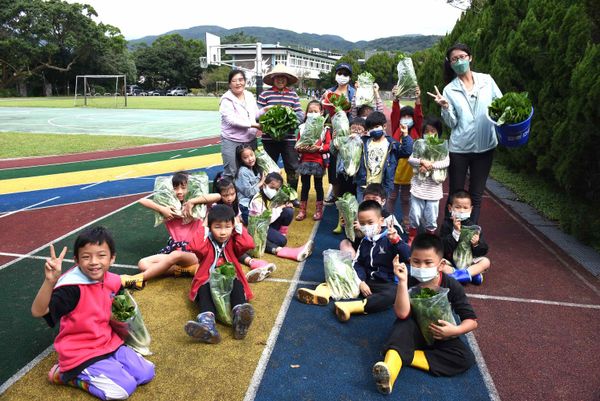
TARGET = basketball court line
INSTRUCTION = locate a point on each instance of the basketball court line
(29, 207)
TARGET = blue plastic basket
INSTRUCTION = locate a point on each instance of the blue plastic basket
(513, 135)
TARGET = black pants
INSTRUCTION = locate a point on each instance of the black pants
(382, 297)
(288, 153)
(478, 165)
(445, 358)
(306, 187)
(275, 239)
(205, 302)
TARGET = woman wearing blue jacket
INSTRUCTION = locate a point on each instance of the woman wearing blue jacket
(464, 104)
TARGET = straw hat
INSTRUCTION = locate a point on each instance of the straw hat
(280, 69)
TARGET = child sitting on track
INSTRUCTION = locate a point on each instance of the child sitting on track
(91, 355)
(448, 356)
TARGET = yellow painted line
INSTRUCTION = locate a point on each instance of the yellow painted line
(15, 185)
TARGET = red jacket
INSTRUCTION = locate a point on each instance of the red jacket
(415, 131)
(203, 247)
(85, 332)
(318, 156)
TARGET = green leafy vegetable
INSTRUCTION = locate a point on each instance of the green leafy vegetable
(463, 254)
(227, 269)
(407, 79)
(341, 128)
(433, 149)
(221, 284)
(364, 92)
(348, 207)
(428, 306)
(512, 108)
(313, 129)
(338, 101)
(284, 195)
(258, 227)
(265, 163)
(278, 121)
(128, 323)
(122, 308)
(164, 195)
(350, 154)
(340, 276)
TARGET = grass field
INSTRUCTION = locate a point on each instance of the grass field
(15, 144)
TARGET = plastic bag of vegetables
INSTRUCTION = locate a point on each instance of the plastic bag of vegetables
(313, 128)
(463, 254)
(348, 207)
(364, 92)
(428, 306)
(407, 79)
(265, 163)
(128, 323)
(197, 186)
(164, 195)
(349, 154)
(278, 121)
(284, 195)
(433, 149)
(341, 128)
(258, 227)
(340, 276)
(221, 284)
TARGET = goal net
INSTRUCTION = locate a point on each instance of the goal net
(101, 90)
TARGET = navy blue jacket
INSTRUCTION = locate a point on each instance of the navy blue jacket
(374, 258)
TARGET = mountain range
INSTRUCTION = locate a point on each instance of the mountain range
(405, 43)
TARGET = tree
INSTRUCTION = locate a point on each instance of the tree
(214, 75)
(383, 67)
(238, 37)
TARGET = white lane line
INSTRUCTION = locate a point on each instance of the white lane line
(548, 247)
(192, 150)
(173, 157)
(91, 185)
(487, 377)
(534, 301)
(266, 354)
(94, 200)
(285, 280)
(25, 256)
(69, 233)
(23, 371)
(124, 174)
(30, 206)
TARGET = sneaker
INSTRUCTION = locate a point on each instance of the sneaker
(243, 315)
(330, 199)
(477, 279)
(203, 328)
(381, 375)
(133, 282)
(260, 273)
(54, 376)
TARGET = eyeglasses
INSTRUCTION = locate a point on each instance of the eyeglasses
(459, 57)
(343, 72)
(240, 80)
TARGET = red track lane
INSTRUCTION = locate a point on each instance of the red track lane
(27, 230)
(104, 154)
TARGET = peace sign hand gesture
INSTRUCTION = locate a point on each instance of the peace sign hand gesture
(53, 266)
(391, 231)
(439, 99)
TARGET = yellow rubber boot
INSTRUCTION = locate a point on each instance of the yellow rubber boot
(420, 361)
(185, 271)
(135, 282)
(339, 228)
(386, 372)
(318, 296)
(343, 310)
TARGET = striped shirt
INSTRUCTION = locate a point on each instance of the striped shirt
(284, 97)
(427, 189)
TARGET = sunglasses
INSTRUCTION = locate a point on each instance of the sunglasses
(344, 73)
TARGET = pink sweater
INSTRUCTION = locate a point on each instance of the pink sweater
(237, 117)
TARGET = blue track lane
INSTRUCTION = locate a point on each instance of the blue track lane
(335, 359)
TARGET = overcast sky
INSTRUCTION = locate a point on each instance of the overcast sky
(138, 18)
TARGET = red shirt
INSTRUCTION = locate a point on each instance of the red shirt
(317, 157)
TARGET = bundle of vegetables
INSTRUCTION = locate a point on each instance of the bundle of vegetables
(340, 276)
(433, 149)
(512, 108)
(164, 195)
(197, 186)
(338, 101)
(463, 254)
(258, 227)
(428, 306)
(349, 155)
(348, 207)
(265, 163)
(128, 323)
(341, 128)
(364, 92)
(284, 195)
(407, 79)
(313, 128)
(278, 121)
(221, 284)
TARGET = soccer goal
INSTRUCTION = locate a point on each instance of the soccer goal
(101, 90)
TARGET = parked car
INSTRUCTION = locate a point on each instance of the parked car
(178, 91)
(134, 90)
(156, 92)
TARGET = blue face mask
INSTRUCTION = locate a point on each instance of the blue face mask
(377, 134)
(407, 121)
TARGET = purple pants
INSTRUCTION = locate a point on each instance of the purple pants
(117, 377)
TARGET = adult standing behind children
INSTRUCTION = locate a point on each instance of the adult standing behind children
(281, 94)
(238, 120)
(464, 103)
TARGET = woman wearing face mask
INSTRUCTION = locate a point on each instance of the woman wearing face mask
(464, 104)
(281, 218)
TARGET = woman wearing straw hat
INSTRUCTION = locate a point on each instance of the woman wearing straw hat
(280, 77)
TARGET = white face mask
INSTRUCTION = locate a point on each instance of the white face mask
(407, 121)
(341, 79)
(462, 216)
(269, 192)
(370, 230)
(312, 115)
(423, 274)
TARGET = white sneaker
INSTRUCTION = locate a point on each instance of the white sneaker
(260, 273)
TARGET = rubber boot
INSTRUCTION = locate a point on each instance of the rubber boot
(302, 212)
(343, 310)
(386, 372)
(186, 271)
(297, 254)
(420, 361)
(339, 228)
(135, 282)
(261, 269)
(461, 275)
(319, 211)
(412, 233)
(477, 279)
(243, 315)
(318, 296)
(203, 328)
